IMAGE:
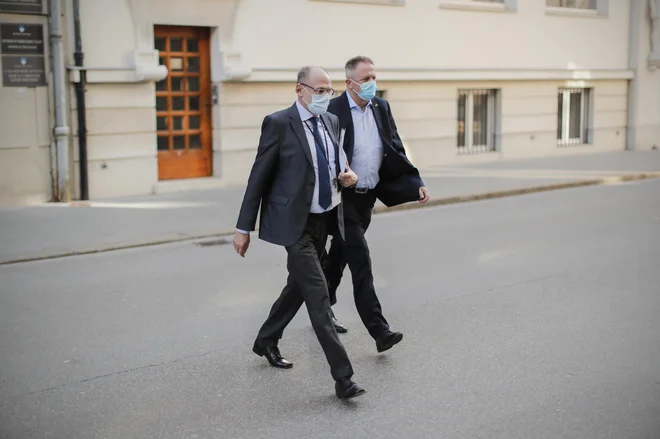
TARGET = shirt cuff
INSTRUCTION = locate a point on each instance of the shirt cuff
(244, 232)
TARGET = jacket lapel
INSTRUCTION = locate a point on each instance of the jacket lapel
(333, 138)
(344, 111)
(297, 125)
(378, 117)
(329, 125)
(346, 122)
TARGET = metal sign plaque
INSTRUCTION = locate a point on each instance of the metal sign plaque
(23, 39)
(22, 6)
(23, 71)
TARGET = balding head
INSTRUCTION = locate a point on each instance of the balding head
(312, 80)
(309, 74)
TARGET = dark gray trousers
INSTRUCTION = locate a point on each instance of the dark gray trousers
(306, 284)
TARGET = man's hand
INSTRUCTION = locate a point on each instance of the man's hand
(241, 243)
(348, 178)
(423, 195)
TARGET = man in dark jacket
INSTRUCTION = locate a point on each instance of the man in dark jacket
(296, 179)
(376, 154)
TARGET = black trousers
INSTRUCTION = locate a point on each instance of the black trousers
(354, 252)
(306, 284)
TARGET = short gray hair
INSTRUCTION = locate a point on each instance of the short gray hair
(352, 63)
(304, 72)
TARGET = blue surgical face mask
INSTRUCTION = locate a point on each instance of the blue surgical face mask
(367, 90)
(319, 104)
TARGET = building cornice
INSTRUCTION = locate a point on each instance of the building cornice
(286, 74)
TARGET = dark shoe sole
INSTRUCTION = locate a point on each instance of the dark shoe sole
(353, 395)
(261, 354)
(341, 329)
(278, 366)
(395, 340)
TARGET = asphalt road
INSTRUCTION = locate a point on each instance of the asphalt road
(529, 317)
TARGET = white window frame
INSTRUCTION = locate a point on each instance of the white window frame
(601, 10)
(491, 114)
(476, 5)
(369, 2)
(585, 108)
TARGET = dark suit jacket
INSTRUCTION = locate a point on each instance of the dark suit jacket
(282, 179)
(399, 179)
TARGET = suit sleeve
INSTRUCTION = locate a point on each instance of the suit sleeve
(398, 144)
(396, 140)
(261, 175)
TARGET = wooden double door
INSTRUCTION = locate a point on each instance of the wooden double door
(183, 103)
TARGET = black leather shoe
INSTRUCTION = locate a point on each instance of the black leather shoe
(345, 389)
(341, 329)
(275, 358)
(387, 340)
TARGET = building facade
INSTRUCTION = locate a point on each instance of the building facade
(176, 91)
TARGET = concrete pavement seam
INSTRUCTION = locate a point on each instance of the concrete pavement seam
(377, 210)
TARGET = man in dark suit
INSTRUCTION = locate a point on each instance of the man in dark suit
(296, 178)
(376, 154)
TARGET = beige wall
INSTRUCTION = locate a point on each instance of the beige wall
(421, 34)
(426, 114)
(25, 127)
(647, 109)
(438, 47)
(121, 140)
(265, 34)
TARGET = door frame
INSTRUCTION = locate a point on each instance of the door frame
(174, 164)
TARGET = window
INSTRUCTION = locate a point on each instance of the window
(380, 94)
(576, 4)
(578, 8)
(481, 5)
(477, 113)
(573, 106)
(373, 2)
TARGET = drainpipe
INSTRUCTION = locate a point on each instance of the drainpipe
(633, 63)
(79, 57)
(59, 90)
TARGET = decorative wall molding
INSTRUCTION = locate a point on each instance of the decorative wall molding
(288, 74)
(225, 61)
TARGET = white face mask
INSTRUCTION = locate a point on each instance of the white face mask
(319, 104)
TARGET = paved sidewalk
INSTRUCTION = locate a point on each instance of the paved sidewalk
(52, 230)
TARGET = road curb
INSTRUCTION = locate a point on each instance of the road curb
(520, 191)
(377, 210)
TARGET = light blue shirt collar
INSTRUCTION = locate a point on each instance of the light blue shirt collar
(351, 102)
(304, 113)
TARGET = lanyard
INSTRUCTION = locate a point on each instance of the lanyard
(325, 138)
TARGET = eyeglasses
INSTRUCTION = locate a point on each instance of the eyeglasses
(320, 91)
